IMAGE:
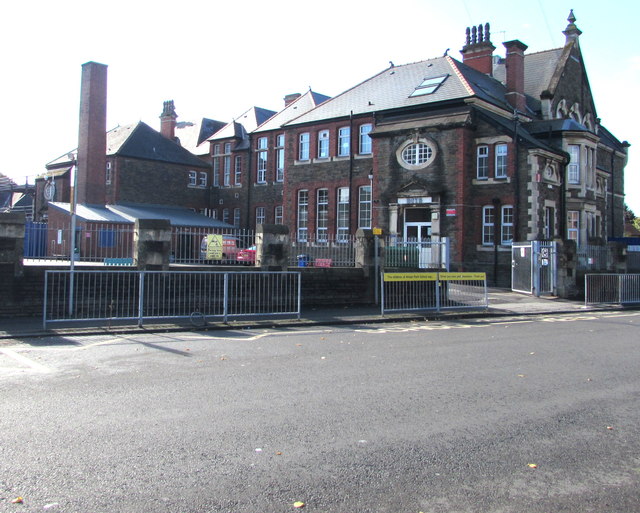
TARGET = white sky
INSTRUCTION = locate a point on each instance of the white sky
(216, 59)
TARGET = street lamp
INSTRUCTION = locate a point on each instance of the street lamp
(73, 202)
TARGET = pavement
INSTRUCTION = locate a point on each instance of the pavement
(502, 302)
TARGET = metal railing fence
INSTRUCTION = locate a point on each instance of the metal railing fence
(435, 291)
(323, 251)
(594, 258)
(192, 245)
(92, 296)
(414, 253)
(611, 289)
(94, 242)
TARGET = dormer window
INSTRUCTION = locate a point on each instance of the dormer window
(429, 86)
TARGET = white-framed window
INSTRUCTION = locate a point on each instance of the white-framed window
(415, 154)
(225, 215)
(193, 178)
(482, 166)
(261, 176)
(322, 214)
(226, 171)
(488, 225)
(216, 171)
(364, 140)
(590, 169)
(108, 174)
(216, 149)
(278, 217)
(237, 168)
(573, 225)
(202, 179)
(344, 141)
(574, 164)
(364, 207)
(501, 160)
(280, 158)
(260, 215)
(323, 144)
(506, 226)
(593, 224)
(342, 217)
(303, 215)
(303, 148)
(227, 148)
(236, 217)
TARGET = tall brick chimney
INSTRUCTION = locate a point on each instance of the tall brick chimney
(515, 74)
(92, 135)
(478, 50)
(168, 121)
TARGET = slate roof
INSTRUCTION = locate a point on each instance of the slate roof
(193, 136)
(539, 68)
(392, 89)
(300, 105)
(143, 142)
(247, 122)
(139, 141)
(128, 213)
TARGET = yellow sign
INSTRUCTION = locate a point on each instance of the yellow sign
(377, 231)
(434, 276)
(463, 276)
(214, 247)
(410, 276)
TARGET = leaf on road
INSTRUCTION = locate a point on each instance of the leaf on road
(521, 375)
(610, 428)
(17, 500)
(298, 504)
(532, 465)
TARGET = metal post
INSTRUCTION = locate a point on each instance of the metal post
(382, 294)
(225, 299)
(376, 263)
(299, 294)
(72, 249)
(141, 299)
(437, 292)
(44, 310)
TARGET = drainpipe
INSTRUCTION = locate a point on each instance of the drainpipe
(516, 179)
(498, 233)
(350, 170)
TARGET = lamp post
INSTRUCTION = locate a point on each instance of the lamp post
(72, 209)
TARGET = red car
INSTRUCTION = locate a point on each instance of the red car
(247, 256)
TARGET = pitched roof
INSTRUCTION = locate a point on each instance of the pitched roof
(145, 143)
(299, 106)
(128, 213)
(247, 122)
(394, 88)
(539, 69)
(140, 141)
(193, 135)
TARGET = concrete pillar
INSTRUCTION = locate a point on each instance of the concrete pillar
(365, 249)
(152, 244)
(272, 247)
(12, 240)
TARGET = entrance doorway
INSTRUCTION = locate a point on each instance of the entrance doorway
(417, 225)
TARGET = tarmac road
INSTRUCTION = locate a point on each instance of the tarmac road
(501, 415)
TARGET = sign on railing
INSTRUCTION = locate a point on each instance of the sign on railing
(433, 291)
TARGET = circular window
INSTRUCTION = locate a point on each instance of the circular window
(416, 154)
